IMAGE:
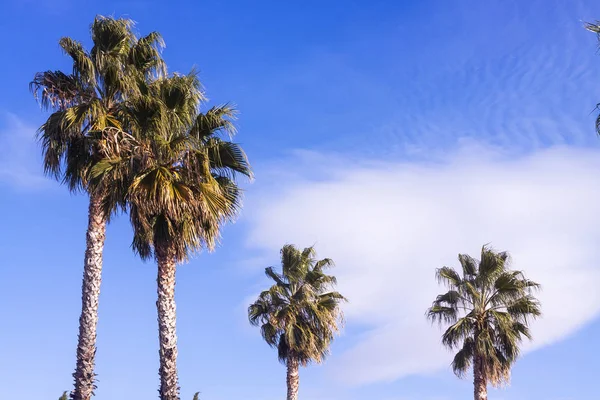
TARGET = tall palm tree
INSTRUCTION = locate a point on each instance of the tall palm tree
(85, 101)
(489, 308)
(595, 28)
(178, 170)
(300, 314)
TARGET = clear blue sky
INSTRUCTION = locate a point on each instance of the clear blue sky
(425, 105)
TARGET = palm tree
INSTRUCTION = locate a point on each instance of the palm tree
(489, 308)
(299, 314)
(85, 101)
(595, 28)
(178, 170)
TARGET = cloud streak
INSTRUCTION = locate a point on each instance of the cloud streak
(389, 225)
(20, 156)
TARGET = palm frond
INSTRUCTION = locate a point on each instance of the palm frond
(491, 265)
(523, 308)
(457, 332)
(593, 27)
(145, 55)
(58, 91)
(463, 358)
(217, 120)
(83, 66)
(448, 276)
(228, 158)
(469, 265)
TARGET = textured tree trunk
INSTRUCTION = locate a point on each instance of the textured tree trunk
(92, 277)
(479, 379)
(169, 382)
(293, 379)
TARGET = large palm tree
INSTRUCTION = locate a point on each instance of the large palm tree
(300, 314)
(178, 170)
(489, 308)
(84, 101)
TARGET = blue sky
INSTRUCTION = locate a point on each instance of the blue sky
(391, 134)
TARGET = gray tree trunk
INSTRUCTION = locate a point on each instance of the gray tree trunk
(169, 381)
(92, 277)
(293, 378)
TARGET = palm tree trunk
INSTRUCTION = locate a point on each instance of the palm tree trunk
(293, 379)
(169, 382)
(479, 379)
(92, 277)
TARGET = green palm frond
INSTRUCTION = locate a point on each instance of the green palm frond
(523, 308)
(217, 120)
(458, 332)
(488, 309)
(299, 314)
(279, 279)
(448, 276)
(145, 55)
(228, 158)
(593, 27)
(491, 265)
(111, 37)
(469, 265)
(83, 66)
(463, 358)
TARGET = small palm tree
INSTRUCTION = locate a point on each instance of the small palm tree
(178, 172)
(299, 314)
(87, 100)
(489, 308)
(595, 28)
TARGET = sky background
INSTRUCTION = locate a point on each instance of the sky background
(392, 135)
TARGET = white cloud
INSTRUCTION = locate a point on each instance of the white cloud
(20, 155)
(389, 225)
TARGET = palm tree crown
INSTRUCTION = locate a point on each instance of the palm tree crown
(175, 166)
(89, 99)
(299, 314)
(489, 308)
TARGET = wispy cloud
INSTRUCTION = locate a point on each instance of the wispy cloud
(388, 226)
(517, 83)
(20, 156)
